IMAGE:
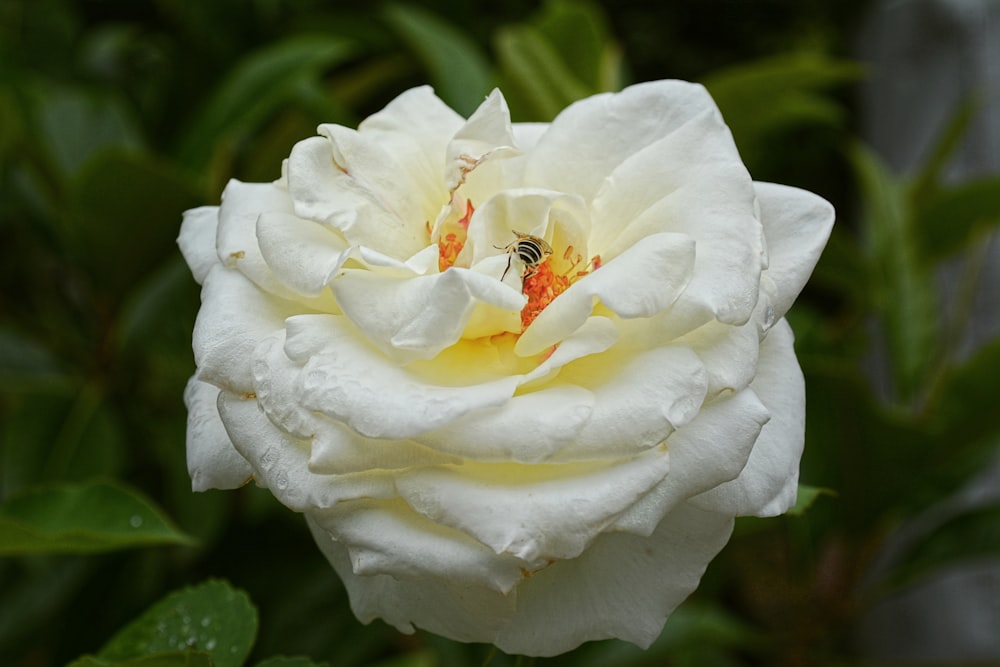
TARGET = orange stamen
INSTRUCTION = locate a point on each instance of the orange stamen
(544, 285)
(450, 244)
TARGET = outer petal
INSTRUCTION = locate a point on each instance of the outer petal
(302, 253)
(197, 240)
(797, 225)
(445, 605)
(728, 352)
(487, 134)
(281, 463)
(347, 380)
(622, 586)
(638, 400)
(388, 538)
(529, 428)
(705, 453)
(235, 316)
(537, 513)
(591, 137)
(768, 484)
(350, 181)
(416, 128)
(334, 448)
(212, 461)
(708, 196)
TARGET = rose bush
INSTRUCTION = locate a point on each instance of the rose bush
(536, 461)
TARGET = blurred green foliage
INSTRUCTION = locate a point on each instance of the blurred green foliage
(116, 116)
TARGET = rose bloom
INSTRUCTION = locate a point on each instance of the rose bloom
(520, 378)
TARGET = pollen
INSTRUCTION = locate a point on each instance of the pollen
(544, 285)
(449, 246)
(451, 243)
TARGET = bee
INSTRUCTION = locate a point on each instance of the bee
(530, 249)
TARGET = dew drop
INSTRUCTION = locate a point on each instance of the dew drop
(769, 316)
(135, 521)
(282, 481)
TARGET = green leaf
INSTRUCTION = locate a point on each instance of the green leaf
(26, 365)
(537, 76)
(168, 659)
(807, 496)
(949, 220)
(929, 175)
(82, 518)
(75, 124)
(692, 627)
(580, 32)
(963, 405)
(904, 287)
(765, 98)
(212, 617)
(125, 210)
(969, 537)
(296, 661)
(461, 73)
(260, 85)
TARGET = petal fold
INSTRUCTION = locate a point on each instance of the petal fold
(768, 484)
(797, 225)
(212, 461)
(197, 240)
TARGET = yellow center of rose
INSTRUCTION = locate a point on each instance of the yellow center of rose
(541, 286)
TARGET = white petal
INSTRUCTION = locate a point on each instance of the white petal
(712, 449)
(526, 135)
(528, 428)
(443, 605)
(729, 353)
(623, 586)
(347, 380)
(638, 400)
(768, 484)
(416, 317)
(640, 282)
(797, 225)
(591, 137)
(416, 127)
(388, 538)
(334, 448)
(538, 513)
(302, 253)
(707, 194)
(281, 463)
(487, 134)
(212, 461)
(349, 181)
(235, 316)
(197, 240)
(236, 241)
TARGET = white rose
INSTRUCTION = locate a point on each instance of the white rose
(534, 462)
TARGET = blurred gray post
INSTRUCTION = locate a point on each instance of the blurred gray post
(926, 58)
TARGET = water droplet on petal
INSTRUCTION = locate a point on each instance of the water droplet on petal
(768, 316)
